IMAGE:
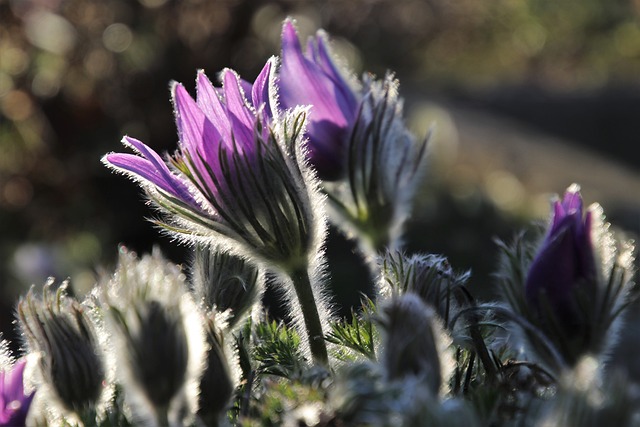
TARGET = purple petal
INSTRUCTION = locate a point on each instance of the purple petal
(14, 405)
(13, 385)
(241, 117)
(198, 137)
(303, 83)
(209, 102)
(346, 97)
(260, 89)
(572, 201)
(555, 269)
(189, 119)
(151, 168)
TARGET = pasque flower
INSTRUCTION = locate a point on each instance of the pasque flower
(14, 404)
(313, 78)
(231, 175)
(240, 180)
(565, 258)
(357, 138)
(569, 292)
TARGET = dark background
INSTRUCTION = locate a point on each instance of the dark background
(527, 97)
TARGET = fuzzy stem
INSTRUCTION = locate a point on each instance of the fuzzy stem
(312, 323)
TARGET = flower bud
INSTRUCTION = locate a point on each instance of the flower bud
(57, 326)
(427, 275)
(569, 293)
(216, 386)
(564, 261)
(415, 345)
(225, 282)
(313, 78)
(147, 307)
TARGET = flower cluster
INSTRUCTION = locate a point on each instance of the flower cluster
(258, 171)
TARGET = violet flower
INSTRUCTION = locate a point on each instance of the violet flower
(14, 404)
(565, 259)
(312, 78)
(235, 173)
(240, 181)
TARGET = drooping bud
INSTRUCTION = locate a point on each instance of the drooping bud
(58, 328)
(225, 282)
(148, 313)
(415, 344)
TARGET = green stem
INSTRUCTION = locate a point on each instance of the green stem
(312, 323)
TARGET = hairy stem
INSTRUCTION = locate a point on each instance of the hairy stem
(312, 323)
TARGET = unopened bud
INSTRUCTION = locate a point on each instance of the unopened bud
(216, 386)
(57, 327)
(415, 345)
(225, 282)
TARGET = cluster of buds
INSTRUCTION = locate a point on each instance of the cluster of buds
(246, 189)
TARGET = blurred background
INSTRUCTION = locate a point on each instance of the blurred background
(526, 96)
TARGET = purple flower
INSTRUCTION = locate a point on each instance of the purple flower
(238, 171)
(312, 78)
(14, 404)
(565, 259)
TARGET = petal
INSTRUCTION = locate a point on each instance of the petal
(209, 102)
(13, 382)
(260, 89)
(572, 201)
(241, 117)
(151, 168)
(555, 270)
(345, 96)
(304, 83)
(189, 119)
(199, 138)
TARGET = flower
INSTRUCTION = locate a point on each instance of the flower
(565, 259)
(312, 78)
(14, 404)
(239, 171)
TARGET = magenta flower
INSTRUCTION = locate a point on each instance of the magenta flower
(312, 78)
(14, 404)
(565, 259)
(238, 171)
